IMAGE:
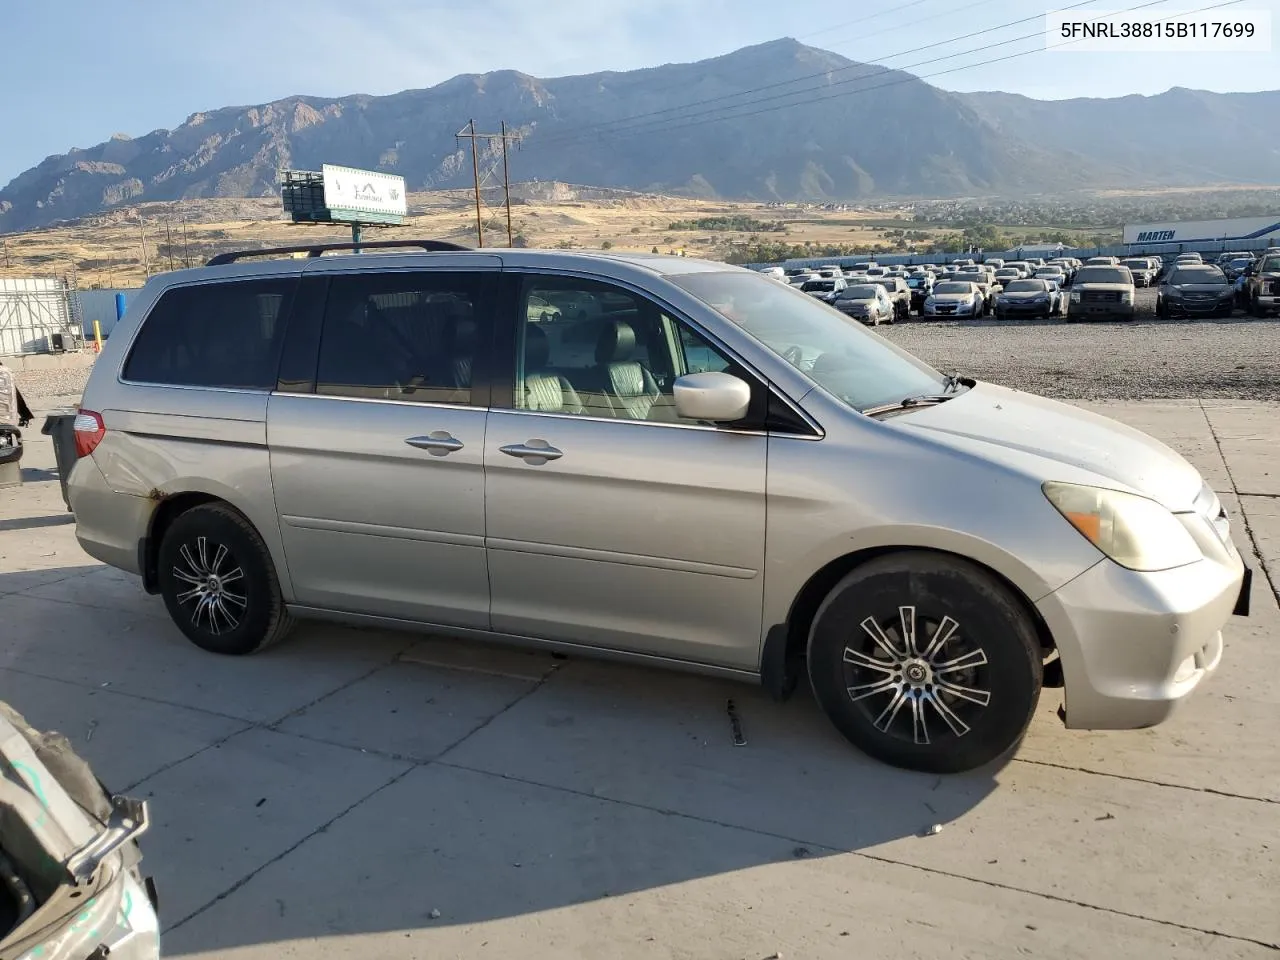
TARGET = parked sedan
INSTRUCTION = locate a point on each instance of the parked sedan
(1053, 273)
(1027, 298)
(822, 289)
(868, 302)
(1195, 291)
(955, 298)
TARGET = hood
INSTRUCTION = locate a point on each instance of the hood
(1024, 294)
(1096, 285)
(1201, 287)
(1060, 433)
(952, 297)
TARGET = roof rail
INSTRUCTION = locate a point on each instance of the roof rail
(316, 249)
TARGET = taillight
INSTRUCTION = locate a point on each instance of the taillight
(89, 430)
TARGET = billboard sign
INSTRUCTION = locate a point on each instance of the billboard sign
(363, 191)
(1198, 231)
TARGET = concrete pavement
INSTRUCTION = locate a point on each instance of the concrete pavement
(365, 793)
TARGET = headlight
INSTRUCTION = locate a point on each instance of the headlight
(1126, 298)
(1134, 531)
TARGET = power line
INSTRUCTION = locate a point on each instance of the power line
(469, 133)
(667, 126)
(826, 74)
(861, 20)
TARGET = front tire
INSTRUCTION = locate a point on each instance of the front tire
(219, 583)
(926, 662)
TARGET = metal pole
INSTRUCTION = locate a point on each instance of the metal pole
(506, 183)
(475, 176)
(168, 241)
(355, 237)
(142, 234)
(6, 252)
(186, 250)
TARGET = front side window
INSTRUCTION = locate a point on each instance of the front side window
(854, 364)
(609, 353)
(225, 334)
(402, 336)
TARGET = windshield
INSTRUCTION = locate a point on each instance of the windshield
(953, 288)
(1239, 264)
(916, 282)
(1136, 264)
(1269, 265)
(861, 292)
(1104, 275)
(876, 272)
(845, 358)
(1197, 275)
(822, 286)
(1026, 286)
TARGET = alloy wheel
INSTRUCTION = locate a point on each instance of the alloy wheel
(917, 677)
(211, 574)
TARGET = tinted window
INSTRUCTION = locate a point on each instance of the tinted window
(819, 286)
(860, 292)
(225, 334)
(1270, 265)
(401, 336)
(612, 353)
(1104, 275)
(1136, 264)
(1027, 286)
(953, 288)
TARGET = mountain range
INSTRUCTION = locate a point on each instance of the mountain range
(776, 121)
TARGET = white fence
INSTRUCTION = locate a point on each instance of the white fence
(32, 311)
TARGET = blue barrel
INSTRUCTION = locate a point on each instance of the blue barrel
(119, 306)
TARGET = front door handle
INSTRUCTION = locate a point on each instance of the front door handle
(438, 443)
(533, 452)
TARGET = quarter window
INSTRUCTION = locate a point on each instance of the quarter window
(224, 334)
(402, 336)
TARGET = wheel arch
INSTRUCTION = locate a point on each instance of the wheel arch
(786, 644)
(173, 503)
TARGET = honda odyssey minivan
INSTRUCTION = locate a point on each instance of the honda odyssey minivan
(692, 465)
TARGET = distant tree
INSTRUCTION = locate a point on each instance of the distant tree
(654, 250)
(520, 240)
(606, 245)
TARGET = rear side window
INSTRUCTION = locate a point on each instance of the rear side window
(404, 336)
(225, 334)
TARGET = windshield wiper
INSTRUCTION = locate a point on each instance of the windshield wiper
(954, 383)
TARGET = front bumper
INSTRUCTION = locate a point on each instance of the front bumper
(1134, 644)
(1199, 308)
(1106, 308)
(1029, 309)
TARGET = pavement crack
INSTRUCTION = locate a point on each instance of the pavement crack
(1244, 514)
(1147, 780)
(284, 853)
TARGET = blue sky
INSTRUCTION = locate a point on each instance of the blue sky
(76, 71)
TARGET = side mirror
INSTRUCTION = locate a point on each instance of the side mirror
(713, 396)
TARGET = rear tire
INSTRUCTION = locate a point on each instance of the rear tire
(219, 583)
(926, 662)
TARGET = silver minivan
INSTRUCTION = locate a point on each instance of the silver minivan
(671, 461)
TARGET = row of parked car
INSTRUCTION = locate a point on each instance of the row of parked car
(1101, 287)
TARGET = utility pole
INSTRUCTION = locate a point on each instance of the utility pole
(469, 133)
(186, 250)
(506, 183)
(168, 242)
(6, 253)
(142, 234)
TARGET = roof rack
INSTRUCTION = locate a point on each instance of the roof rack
(316, 249)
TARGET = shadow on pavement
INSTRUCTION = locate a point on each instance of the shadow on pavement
(346, 783)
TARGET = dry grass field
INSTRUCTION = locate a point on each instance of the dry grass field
(107, 250)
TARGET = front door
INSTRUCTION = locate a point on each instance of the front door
(378, 461)
(611, 521)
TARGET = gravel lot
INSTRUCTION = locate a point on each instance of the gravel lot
(1236, 358)
(1148, 358)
